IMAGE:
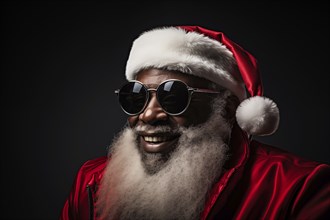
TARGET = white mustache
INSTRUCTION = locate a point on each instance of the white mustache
(156, 129)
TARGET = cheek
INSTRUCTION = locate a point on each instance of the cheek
(132, 121)
(181, 120)
(197, 115)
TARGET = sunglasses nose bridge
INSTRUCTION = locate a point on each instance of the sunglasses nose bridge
(153, 110)
(151, 97)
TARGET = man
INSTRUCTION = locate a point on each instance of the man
(194, 101)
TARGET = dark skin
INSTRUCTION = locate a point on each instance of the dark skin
(198, 111)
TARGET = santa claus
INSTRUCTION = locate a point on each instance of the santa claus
(194, 101)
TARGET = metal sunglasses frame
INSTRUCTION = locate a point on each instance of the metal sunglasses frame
(190, 90)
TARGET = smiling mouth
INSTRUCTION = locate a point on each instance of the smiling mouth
(158, 143)
(157, 139)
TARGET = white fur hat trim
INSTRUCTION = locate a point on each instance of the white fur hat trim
(173, 48)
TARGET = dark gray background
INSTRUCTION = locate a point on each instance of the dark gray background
(61, 63)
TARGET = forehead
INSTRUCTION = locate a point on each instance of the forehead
(154, 77)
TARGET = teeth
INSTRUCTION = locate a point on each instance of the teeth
(155, 139)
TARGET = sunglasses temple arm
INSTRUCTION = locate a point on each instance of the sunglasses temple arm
(205, 91)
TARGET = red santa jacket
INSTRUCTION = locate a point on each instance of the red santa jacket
(259, 182)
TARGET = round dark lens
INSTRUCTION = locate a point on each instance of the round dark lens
(173, 96)
(132, 97)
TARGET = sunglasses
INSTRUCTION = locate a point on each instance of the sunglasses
(173, 96)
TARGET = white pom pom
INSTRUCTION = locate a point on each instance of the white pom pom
(258, 115)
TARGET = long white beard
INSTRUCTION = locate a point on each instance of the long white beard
(179, 189)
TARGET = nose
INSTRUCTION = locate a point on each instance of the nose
(153, 112)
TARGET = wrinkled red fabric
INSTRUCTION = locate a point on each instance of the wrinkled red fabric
(275, 185)
(82, 195)
(259, 182)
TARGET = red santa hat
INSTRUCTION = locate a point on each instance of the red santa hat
(211, 55)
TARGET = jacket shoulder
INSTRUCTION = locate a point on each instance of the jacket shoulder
(298, 187)
(261, 152)
(93, 165)
(286, 167)
(89, 174)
